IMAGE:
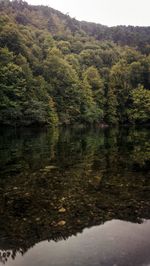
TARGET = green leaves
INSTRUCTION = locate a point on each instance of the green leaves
(56, 70)
(140, 108)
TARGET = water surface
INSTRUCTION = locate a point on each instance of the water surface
(75, 197)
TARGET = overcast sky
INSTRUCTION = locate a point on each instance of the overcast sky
(107, 12)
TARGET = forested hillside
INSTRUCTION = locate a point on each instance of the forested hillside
(56, 70)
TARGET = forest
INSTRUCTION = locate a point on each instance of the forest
(55, 70)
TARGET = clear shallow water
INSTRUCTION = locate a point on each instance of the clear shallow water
(75, 197)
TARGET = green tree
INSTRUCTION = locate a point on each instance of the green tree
(97, 86)
(140, 107)
(65, 86)
(111, 107)
(120, 84)
(89, 112)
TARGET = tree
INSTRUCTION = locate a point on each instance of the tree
(57, 70)
(89, 112)
(65, 86)
(120, 86)
(111, 107)
(12, 92)
(10, 38)
(97, 86)
(140, 107)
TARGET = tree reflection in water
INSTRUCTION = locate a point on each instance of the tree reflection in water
(55, 183)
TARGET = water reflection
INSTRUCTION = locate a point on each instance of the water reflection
(55, 183)
(114, 243)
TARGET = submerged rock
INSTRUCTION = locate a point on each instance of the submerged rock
(62, 210)
(61, 223)
(49, 168)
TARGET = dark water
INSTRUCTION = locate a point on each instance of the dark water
(75, 197)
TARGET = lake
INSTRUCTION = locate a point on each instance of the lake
(75, 197)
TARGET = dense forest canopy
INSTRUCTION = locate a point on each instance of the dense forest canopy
(57, 70)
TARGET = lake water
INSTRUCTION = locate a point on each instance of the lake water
(75, 197)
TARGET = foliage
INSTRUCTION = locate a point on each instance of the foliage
(56, 70)
(140, 108)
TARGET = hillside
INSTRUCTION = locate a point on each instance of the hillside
(57, 70)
